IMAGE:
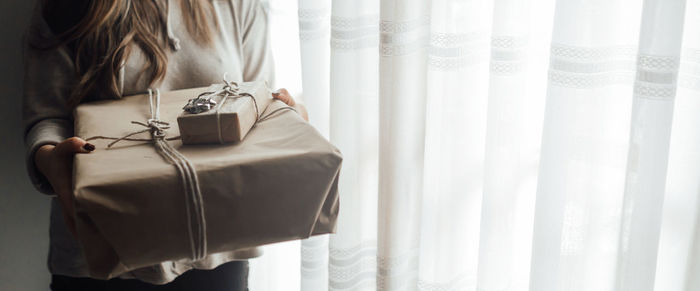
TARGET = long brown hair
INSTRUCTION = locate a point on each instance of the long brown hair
(101, 34)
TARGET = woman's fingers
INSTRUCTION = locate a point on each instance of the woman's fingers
(283, 95)
(60, 174)
(56, 163)
(72, 146)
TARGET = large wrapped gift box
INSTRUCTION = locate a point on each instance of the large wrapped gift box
(278, 184)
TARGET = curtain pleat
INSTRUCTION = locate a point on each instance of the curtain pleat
(354, 124)
(581, 178)
(314, 36)
(512, 140)
(678, 259)
(652, 114)
(403, 33)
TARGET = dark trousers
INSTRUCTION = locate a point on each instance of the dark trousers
(231, 276)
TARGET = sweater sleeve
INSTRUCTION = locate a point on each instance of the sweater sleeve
(48, 78)
(257, 55)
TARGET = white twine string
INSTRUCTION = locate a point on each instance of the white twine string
(230, 91)
(188, 175)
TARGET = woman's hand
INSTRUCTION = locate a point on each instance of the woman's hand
(284, 96)
(56, 163)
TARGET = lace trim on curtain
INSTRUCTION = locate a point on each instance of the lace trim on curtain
(313, 255)
(353, 267)
(313, 23)
(452, 51)
(354, 33)
(507, 54)
(404, 37)
(689, 75)
(656, 77)
(591, 67)
(393, 273)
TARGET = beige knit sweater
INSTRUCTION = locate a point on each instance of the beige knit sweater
(240, 48)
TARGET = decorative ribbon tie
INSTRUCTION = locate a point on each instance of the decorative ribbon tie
(190, 182)
(204, 102)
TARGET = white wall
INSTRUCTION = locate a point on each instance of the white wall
(23, 211)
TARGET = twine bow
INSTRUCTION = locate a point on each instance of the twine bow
(204, 102)
(188, 174)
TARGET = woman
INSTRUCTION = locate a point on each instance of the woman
(77, 51)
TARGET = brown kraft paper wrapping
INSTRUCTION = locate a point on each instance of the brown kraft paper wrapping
(236, 116)
(278, 184)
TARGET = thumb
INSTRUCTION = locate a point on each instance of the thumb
(74, 145)
(283, 95)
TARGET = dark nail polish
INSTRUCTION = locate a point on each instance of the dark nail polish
(89, 147)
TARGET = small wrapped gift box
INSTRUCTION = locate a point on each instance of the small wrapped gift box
(148, 199)
(224, 113)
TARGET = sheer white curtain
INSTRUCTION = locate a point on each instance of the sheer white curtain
(498, 145)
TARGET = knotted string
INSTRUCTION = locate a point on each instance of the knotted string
(230, 91)
(194, 202)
